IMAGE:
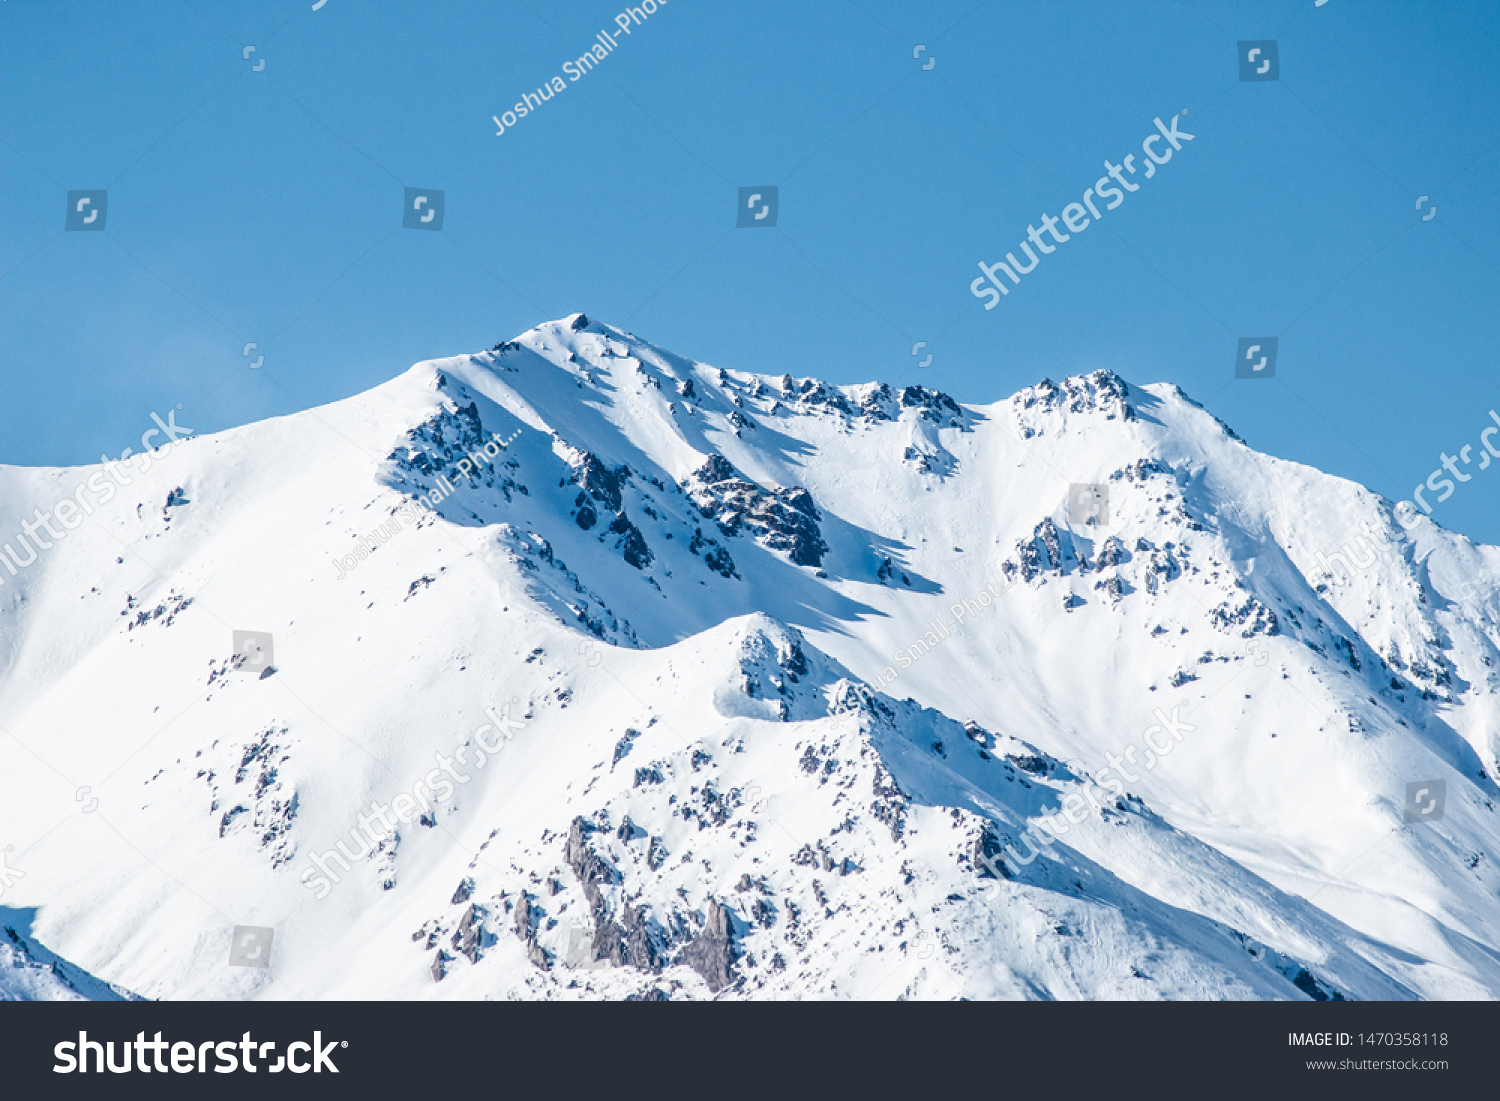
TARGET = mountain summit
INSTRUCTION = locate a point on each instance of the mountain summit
(579, 669)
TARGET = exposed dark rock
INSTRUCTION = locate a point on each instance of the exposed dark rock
(600, 482)
(630, 943)
(468, 938)
(1044, 404)
(436, 446)
(987, 858)
(1251, 617)
(711, 953)
(622, 747)
(1305, 982)
(631, 543)
(783, 519)
(651, 774)
(593, 871)
(1113, 588)
(1140, 470)
(717, 558)
(891, 803)
(1047, 551)
(1112, 553)
(933, 405)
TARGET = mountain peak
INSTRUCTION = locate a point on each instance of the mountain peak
(748, 680)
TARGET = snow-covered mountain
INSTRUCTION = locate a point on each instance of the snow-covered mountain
(702, 683)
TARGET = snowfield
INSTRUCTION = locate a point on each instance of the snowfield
(709, 684)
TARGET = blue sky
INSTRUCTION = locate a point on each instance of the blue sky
(266, 206)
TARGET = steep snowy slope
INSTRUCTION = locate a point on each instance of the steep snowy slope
(703, 683)
(30, 973)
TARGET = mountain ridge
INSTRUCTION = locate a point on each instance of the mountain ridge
(738, 581)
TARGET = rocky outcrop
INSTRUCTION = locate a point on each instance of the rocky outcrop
(784, 520)
(711, 953)
(1046, 404)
